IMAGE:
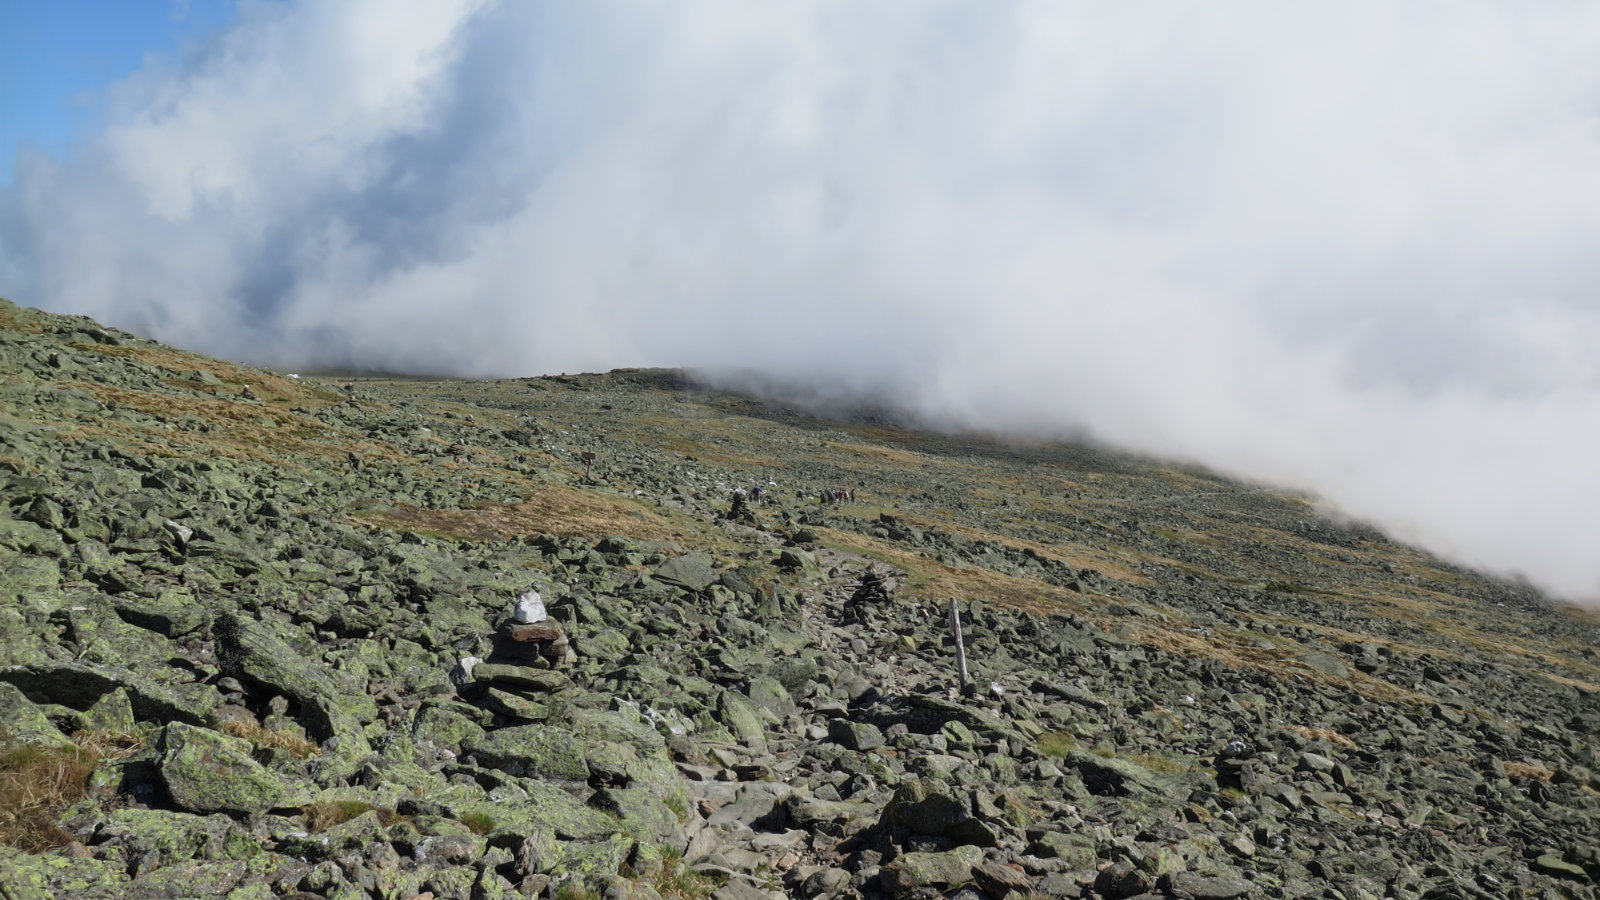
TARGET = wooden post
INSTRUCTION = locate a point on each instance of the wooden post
(961, 647)
(588, 461)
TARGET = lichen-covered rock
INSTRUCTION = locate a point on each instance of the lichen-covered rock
(445, 728)
(692, 571)
(159, 837)
(173, 613)
(547, 810)
(540, 751)
(924, 806)
(855, 735)
(641, 813)
(931, 870)
(28, 582)
(206, 772)
(1110, 775)
(27, 877)
(250, 651)
(358, 832)
(1211, 887)
(80, 685)
(624, 725)
(521, 678)
(743, 718)
(24, 723)
(112, 713)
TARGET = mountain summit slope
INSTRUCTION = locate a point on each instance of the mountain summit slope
(284, 634)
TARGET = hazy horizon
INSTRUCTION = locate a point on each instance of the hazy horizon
(1345, 248)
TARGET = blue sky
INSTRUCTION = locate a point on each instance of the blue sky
(57, 57)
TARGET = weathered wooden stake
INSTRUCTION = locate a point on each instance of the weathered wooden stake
(961, 647)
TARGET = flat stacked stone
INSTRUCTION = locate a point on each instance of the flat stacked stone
(539, 645)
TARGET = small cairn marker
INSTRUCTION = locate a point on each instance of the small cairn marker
(529, 639)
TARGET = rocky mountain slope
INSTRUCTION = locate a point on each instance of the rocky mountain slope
(258, 640)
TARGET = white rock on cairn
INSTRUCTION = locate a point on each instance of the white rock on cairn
(529, 609)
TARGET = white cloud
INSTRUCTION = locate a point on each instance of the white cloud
(1346, 246)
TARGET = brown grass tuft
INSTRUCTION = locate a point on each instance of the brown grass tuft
(1323, 734)
(295, 745)
(1529, 770)
(322, 816)
(38, 783)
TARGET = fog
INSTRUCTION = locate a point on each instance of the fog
(1345, 247)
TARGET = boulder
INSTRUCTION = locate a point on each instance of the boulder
(930, 870)
(924, 806)
(252, 652)
(206, 772)
(691, 571)
(25, 723)
(1113, 776)
(541, 751)
(1210, 887)
(855, 735)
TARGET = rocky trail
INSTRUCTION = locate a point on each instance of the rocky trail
(260, 636)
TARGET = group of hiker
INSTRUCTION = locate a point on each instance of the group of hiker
(758, 494)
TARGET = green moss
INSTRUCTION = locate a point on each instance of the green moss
(674, 880)
(1056, 743)
(478, 822)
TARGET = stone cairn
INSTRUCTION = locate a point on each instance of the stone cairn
(739, 510)
(521, 676)
(873, 590)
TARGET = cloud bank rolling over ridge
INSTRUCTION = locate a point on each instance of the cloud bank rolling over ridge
(1348, 247)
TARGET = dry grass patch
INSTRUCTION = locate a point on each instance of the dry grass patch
(15, 464)
(1237, 651)
(549, 509)
(238, 429)
(287, 741)
(20, 318)
(270, 388)
(1076, 557)
(1587, 687)
(673, 879)
(1529, 770)
(38, 783)
(322, 816)
(1157, 762)
(1323, 734)
(935, 579)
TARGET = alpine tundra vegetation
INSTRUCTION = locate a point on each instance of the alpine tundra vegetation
(348, 637)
